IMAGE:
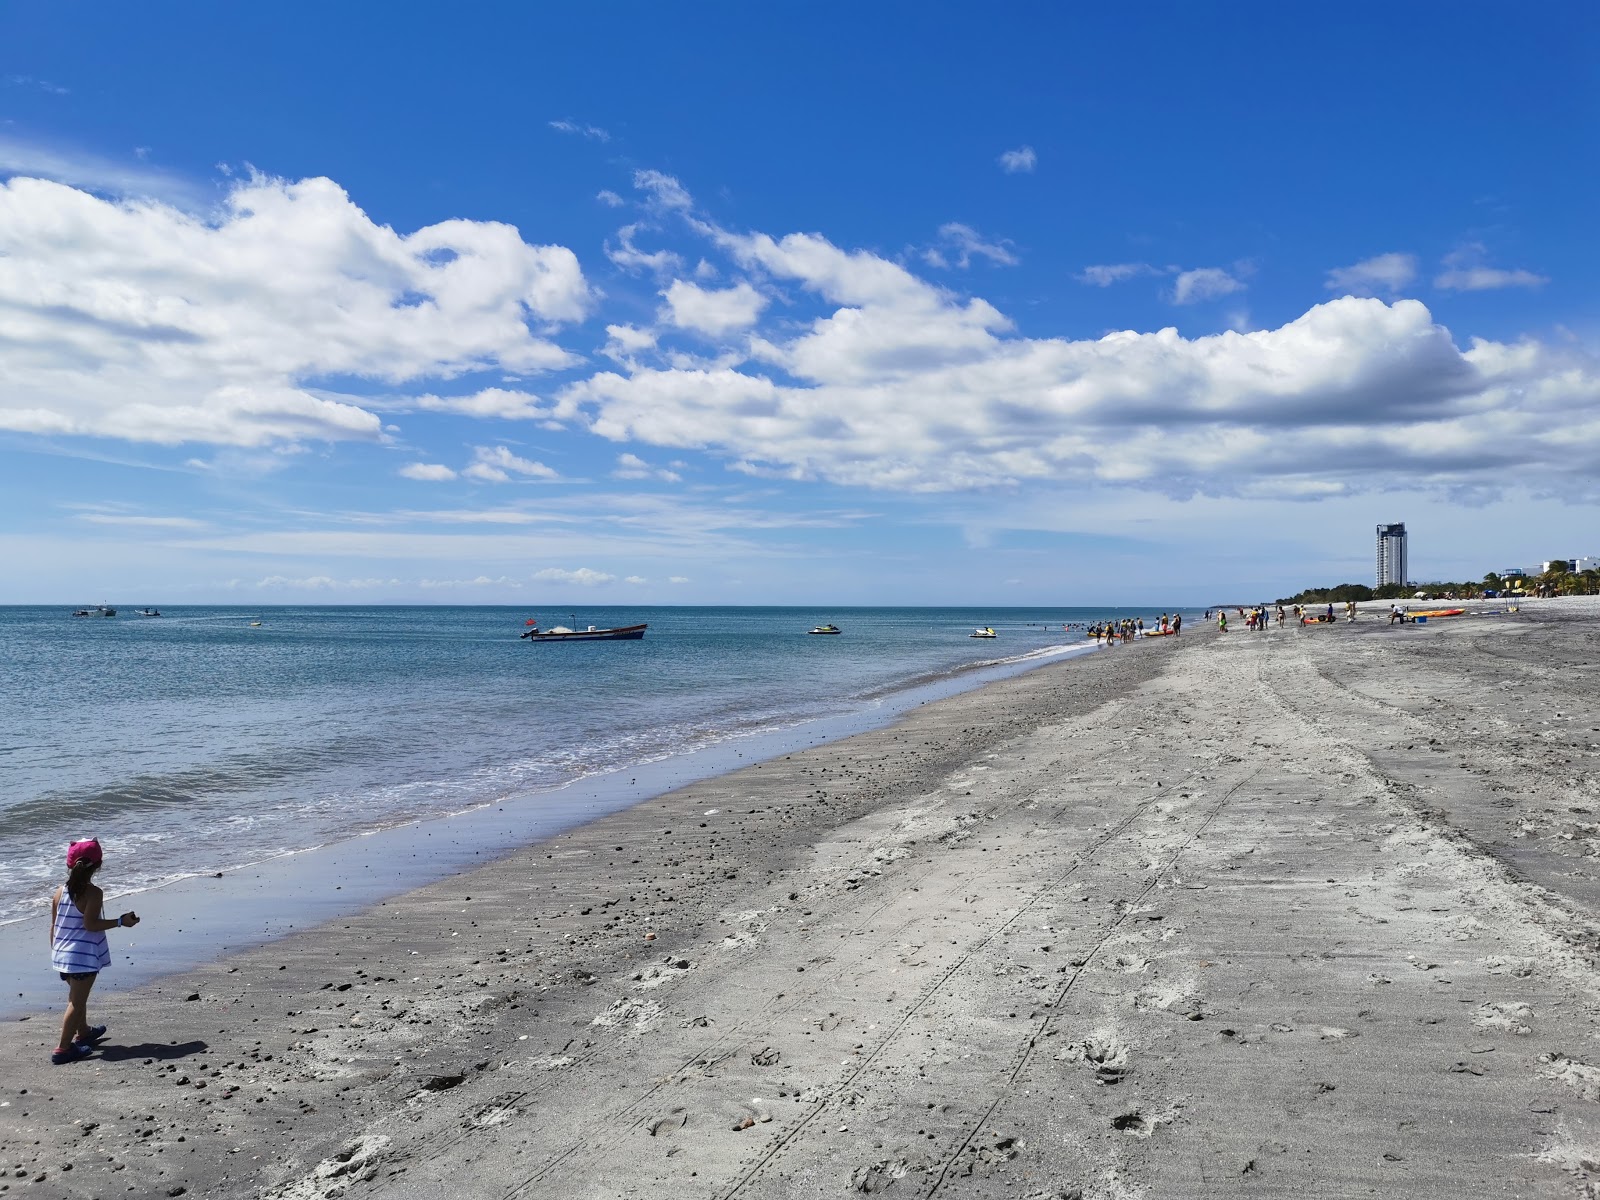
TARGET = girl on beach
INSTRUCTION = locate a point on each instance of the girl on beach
(78, 947)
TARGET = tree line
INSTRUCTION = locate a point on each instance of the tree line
(1557, 581)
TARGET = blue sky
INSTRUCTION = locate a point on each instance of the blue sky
(769, 304)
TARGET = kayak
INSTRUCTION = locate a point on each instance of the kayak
(1159, 632)
(1439, 612)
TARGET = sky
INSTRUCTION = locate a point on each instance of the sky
(791, 304)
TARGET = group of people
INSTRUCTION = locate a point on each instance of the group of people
(1129, 628)
(1259, 617)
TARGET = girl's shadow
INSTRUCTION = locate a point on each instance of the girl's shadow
(158, 1050)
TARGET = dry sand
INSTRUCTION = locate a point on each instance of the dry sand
(1305, 912)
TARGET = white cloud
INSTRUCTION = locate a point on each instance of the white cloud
(635, 579)
(43, 85)
(712, 312)
(322, 583)
(139, 522)
(583, 576)
(627, 340)
(965, 244)
(1105, 274)
(901, 385)
(630, 258)
(678, 579)
(135, 320)
(663, 190)
(1020, 161)
(497, 464)
(489, 402)
(1465, 271)
(593, 132)
(1383, 273)
(1203, 283)
(631, 466)
(609, 198)
(93, 172)
(480, 581)
(427, 472)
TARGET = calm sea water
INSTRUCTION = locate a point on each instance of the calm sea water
(196, 742)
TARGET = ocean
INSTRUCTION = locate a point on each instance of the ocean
(201, 741)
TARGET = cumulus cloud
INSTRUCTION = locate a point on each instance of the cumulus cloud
(497, 464)
(1020, 161)
(501, 403)
(960, 244)
(428, 472)
(677, 579)
(1203, 283)
(1383, 273)
(627, 339)
(635, 579)
(1466, 271)
(714, 312)
(138, 320)
(609, 198)
(899, 384)
(631, 466)
(583, 576)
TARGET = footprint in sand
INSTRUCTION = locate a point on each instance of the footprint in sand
(1512, 1017)
(1579, 1076)
(1105, 1053)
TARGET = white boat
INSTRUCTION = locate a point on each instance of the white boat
(983, 632)
(99, 610)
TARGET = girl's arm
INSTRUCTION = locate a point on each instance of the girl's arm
(55, 903)
(93, 898)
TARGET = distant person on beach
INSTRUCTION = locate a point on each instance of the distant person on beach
(78, 947)
(1222, 621)
(1177, 622)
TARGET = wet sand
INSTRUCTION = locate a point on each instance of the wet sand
(1310, 911)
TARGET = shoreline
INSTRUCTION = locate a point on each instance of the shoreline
(1244, 914)
(198, 918)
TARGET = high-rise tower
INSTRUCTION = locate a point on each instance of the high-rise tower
(1392, 554)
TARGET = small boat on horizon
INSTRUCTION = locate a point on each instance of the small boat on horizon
(148, 612)
(99, 610)
(983, 632)
(829, 628)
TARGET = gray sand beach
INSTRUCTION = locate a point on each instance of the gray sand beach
(1303, 912)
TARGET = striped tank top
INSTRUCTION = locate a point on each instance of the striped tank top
(74, 950)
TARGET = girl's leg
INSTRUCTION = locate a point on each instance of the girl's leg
(75, 1023)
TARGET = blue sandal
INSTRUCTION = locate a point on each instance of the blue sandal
(71, 1054)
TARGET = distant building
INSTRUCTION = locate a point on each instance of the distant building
(1513, 573)
(1586, 562)
(1392, 564)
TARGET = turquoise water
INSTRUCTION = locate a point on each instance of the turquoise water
(197, 742)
